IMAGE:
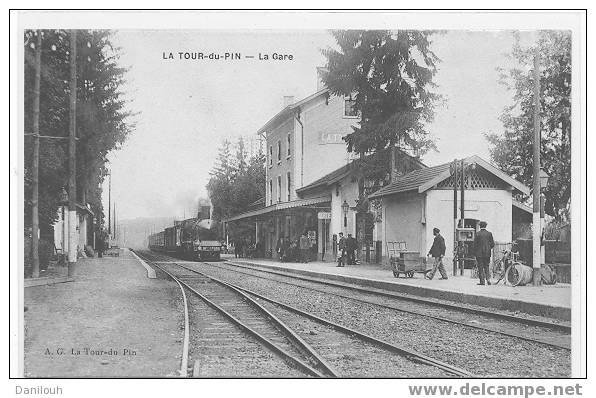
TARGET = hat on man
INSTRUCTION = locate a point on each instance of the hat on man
(436, 230)
(483, 224)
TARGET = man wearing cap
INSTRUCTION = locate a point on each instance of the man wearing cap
(437, 251)
(483, 246)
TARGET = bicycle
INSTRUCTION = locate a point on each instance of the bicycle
(499, 270)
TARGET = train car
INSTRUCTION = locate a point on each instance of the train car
(173, 243)
(192, 239)
(157, 242)
(206, 246)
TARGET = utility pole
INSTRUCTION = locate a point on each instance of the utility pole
(35, 168)
(454, 175)
(72, 182)
(463, 188)
(536, 220)
(114, 221)
(110, 205)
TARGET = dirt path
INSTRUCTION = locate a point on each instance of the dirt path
(111, 322)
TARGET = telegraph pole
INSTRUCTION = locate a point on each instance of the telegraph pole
(72, 182)
(35, 168)
(463, 188)
(114, 221)
(110, 205)
(536, 220)
(454, 175)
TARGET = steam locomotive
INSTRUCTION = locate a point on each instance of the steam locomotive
(191, 239)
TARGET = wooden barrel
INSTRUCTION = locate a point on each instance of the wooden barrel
(518, 274)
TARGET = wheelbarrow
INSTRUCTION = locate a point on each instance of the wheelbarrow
(407, 266)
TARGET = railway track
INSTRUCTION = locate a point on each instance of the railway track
(533, 330)
(317, 346)
(231, 317)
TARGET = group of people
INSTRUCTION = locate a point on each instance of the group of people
(483, 245)
(244, 247)
(347, 248)
(294, 251)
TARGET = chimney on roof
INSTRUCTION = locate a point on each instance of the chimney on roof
(288, 100)
(321, 71)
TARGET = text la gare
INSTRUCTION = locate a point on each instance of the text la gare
(276, 57)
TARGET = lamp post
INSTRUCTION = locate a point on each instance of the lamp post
(345, 207)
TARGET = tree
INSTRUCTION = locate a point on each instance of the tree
(220, 183)
(234, 186)
(389, 75)
(103, 122)
(512, 149)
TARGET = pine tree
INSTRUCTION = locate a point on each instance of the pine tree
(389, 75)
(103, 122)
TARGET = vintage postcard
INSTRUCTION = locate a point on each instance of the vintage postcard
(383, 194)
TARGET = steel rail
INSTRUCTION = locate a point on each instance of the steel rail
(418, 313)
(303, 344)
(410, 354)
(493, 314)
(280, 351)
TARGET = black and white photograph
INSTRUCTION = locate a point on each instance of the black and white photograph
(267, 195)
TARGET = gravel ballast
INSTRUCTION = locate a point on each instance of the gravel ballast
(480, 352)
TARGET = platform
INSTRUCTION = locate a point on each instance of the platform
(553, 301)
(110, 321)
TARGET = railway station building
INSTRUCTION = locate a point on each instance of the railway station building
(416, 202)
(303, 143)
(312, 185)
(85, 229)
(310, 181)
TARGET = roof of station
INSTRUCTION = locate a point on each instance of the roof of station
(288, 110)
(424, 179)
(342, 172)
(280, 206)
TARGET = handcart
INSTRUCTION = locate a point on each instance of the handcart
(404, 262)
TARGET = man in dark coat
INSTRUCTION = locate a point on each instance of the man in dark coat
(437, 251)
(341, 260)
(351, 246)
(483, 246)
(304, 244)
(238, 248)
(285, 249)
(100, 243)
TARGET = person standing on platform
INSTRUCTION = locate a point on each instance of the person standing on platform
(278, 248)
(304, 247)
(483, 246)
(100, 243)
(437, 251)
(285, 249)
(351, 245)
(341, 260)
(238, 248)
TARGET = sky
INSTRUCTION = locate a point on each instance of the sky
(186, 108)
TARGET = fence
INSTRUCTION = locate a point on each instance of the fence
(556, 252)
